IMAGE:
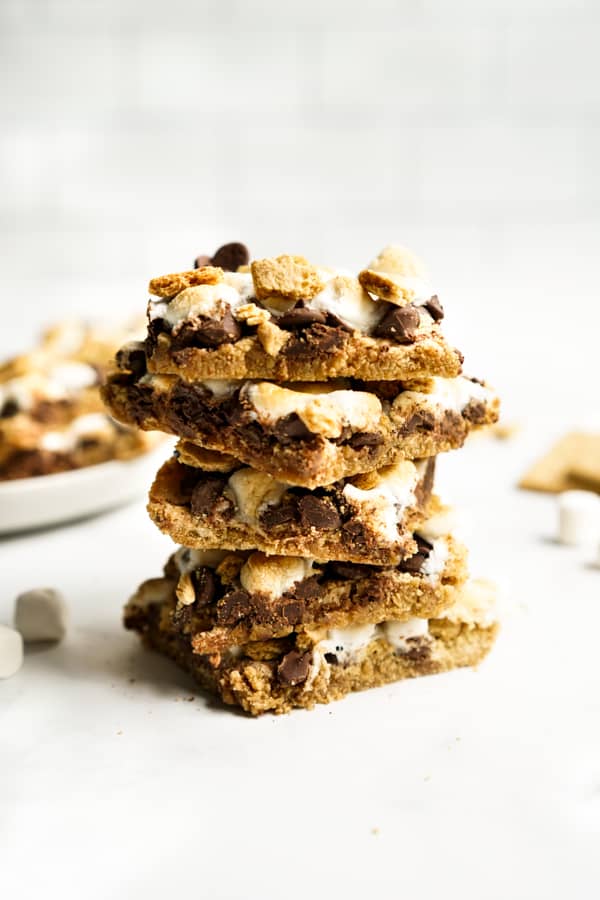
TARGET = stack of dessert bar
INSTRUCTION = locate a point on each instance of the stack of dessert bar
(309, 404)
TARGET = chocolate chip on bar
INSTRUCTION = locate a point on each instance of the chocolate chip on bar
(231, 256)
(132, 358)
(435, 308)
(205, 496)
(301, 317)
(293, 668)
(316, 512)
(400, 324)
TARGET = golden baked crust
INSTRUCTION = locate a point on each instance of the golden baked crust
(251, 678)
(170, 285)
(354, 356)
(409, 428)
(198, 510)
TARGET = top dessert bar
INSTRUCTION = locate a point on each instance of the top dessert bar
(285, 318)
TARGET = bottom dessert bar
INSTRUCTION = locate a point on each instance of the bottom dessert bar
(318, 665)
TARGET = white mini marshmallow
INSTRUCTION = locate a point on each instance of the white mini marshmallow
(578, 517)
(11, 651)
(41, 615)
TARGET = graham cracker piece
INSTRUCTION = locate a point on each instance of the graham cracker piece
(169, 285)
(392, 275)
(286, 277)
(573, 462)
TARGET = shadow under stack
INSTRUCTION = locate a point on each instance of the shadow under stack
(309, 404)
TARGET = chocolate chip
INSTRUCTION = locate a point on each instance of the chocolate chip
(424, 420)
(335, 322)
(203, 332)
(435, 308)
(205, 496)
(10, 408)
(292, 427)
(205, 582)
(400, 324)
(414, 564)
(307, 588)
(316, 512)
(365, 439)
(300, 317)
(350, 571)
(474, 412)
(231, 256)
(313, 342)
(331, 658)
(293, 668)
(156, 327)
(201, 261)
(233, 607)
(419, 651)
(292, 613)
(278, 514)
(132, 358)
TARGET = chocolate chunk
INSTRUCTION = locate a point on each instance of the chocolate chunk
(292, 427)
(231, 256)
(9, 409)
(293, 668)
(205, 583)
(233, 607)
(307, 588)
(300, 317)
(156, 327)
(335, 322)
(474, 412)
(203, 332)
(350, 571)
(313, 342)
(419, 650)
(414, 563)
(201, 261)
(435, 308)
(365, 439)
(400, 324)
(205, 495)
(132, 358)
(423, 420)
(331, 658)
(316, 512)
(292, 613)
(278, 514)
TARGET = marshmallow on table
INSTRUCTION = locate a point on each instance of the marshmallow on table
(578, 517)
(11, 651)
(41, 615)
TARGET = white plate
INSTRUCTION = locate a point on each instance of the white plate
(51, 499)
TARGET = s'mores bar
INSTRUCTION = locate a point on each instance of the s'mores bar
(320, 659)
(310, 405)
(304, 434)
(367, 518)
(52, 418)
(285, 318)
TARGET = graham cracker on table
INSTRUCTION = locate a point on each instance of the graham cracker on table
(572, 463)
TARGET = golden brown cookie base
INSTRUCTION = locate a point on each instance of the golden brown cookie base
(412, 432)
(371, 595)
(169, 508)
(254, 685)
(358, 357)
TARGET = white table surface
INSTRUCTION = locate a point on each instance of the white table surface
(114, 783)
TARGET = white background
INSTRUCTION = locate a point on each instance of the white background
(135, 135)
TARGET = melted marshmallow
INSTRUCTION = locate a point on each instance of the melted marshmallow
(348, 644)
(345, 298)
(456, 393)
(323, 413)
(82, 427)
(273, 575)
(385, 503)
(253, 491)
(187, 559)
